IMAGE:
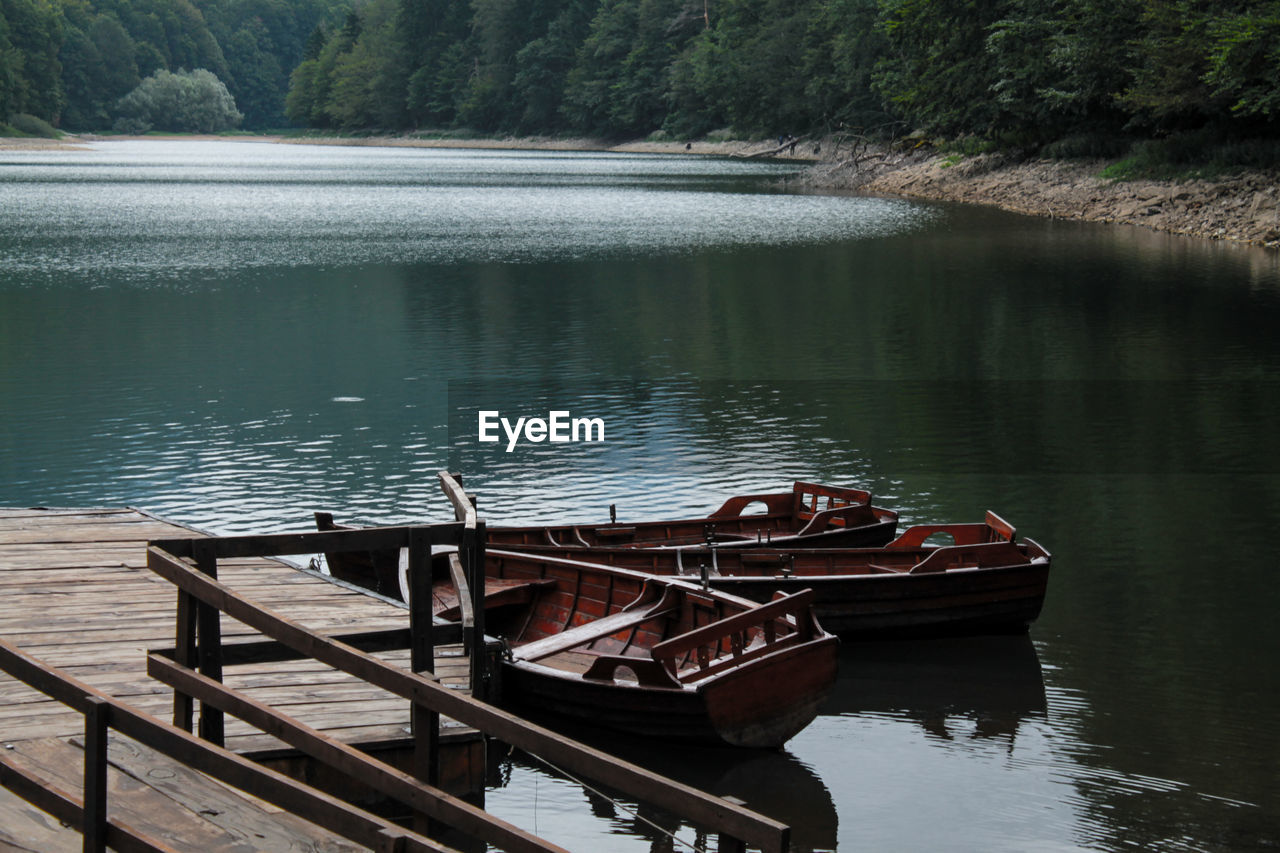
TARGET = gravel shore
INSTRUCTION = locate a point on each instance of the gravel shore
(1243, 207)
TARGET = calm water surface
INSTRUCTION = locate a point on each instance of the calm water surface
(236, 334)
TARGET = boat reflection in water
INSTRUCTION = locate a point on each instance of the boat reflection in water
(994, 683)
(971, 693)
(772, 782)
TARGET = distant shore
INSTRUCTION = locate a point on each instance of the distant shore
(1243, 207)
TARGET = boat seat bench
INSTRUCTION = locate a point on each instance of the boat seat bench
(572, 638)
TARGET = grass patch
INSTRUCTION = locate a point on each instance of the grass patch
(1087, 146)
(1199, 155)
(22, 124)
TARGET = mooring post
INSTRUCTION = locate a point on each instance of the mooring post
(209, 621)
(424, 722)
(97, 716)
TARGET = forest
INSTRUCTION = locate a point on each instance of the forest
(1066, 77)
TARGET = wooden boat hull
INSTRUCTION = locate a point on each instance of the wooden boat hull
(999, 600)
(733, 711)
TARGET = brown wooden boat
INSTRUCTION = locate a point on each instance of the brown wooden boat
(810, 515)
(981, 582)
(652, 656)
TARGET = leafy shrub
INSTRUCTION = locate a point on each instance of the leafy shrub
(188, 101)
(131, 126)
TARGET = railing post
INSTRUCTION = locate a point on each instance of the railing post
(97, 715)
(473, 557)
(185, 654)
(209, 620)
(424, 722)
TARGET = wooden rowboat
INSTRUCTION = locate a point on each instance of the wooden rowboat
(981, 582)
(810, 515)
(651, 656)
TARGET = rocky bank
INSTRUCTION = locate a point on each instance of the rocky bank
(1244, 207)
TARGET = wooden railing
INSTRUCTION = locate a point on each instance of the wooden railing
(90, 814)
(195, 672)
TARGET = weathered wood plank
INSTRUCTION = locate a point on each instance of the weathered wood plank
(130, 801)
(242, 819)
(129, 531)
(25, 828)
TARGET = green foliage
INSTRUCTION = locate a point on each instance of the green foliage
(1059, 65)
(30, 72)
(188, 101)
(1244, 60)
(29, 125)
(1065, 77)
(936, 72)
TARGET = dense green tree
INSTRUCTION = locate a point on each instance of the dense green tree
(173, 31)
(936, 72)
(542, 68)
(841, 50)
(99, 66)
(263, 41)
(1244, 60)
(1170, 90)
(1060, 66)
(30, 71)
(619, 82)
(1020, 72)
(367, 89)
(433, 58)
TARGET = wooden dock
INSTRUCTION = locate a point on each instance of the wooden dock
(101, 608)
(75, 592)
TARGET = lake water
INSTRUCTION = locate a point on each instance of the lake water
(233, 335)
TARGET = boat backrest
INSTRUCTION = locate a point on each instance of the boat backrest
(809, 499)
(994, 529)
(779, 503)
(733, 640)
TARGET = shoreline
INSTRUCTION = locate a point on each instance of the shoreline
(1243, 207)
(1240, 208)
